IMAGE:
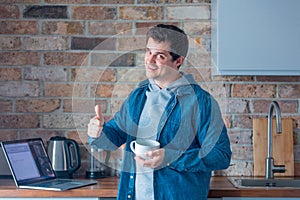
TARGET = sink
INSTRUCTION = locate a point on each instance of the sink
(261, 182)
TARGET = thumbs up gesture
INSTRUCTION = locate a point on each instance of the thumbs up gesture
(96, 123)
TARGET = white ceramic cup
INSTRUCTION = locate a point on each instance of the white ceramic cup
(140, 148)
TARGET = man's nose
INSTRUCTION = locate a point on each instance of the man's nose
(151, 58)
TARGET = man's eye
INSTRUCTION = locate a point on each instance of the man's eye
(162, 57)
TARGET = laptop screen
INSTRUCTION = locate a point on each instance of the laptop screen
(28, 160)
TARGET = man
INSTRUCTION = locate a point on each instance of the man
(172, 108)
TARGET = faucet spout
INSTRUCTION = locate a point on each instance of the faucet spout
(270, 167)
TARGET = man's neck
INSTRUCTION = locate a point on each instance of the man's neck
(163, 84)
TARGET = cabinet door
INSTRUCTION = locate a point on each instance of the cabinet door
(257, 198)
(256, 37)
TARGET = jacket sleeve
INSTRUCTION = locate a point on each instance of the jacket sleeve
(214, 151)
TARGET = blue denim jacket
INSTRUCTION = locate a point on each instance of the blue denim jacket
(192, 132)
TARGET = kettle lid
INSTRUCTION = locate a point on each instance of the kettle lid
(58, 138)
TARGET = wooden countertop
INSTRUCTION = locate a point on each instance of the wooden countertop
(107, 187)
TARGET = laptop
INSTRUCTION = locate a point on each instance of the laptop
(31, 167)
(4, 169)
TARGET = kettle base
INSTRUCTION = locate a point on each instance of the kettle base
(95, 174)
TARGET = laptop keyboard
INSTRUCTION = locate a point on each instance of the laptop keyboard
(53, 183)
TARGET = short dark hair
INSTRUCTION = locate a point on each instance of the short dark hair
(177, 38)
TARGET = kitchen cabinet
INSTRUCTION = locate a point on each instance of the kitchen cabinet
(257, 37)
(257, 198)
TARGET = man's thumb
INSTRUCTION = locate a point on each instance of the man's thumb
(98, 111)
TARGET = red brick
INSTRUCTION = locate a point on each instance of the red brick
(296, 120)
(289, 91)
(6, 106)
(10, 74)
(44, 134)
(188, 12)
(242, 137)
(19, 89)
(286, 106)
(233, 78)
(65, 121)
(131, 75)
(131, 44)
(10, 43)
(242, 121)
(253, 90)
(45, 43)
(217, 90)
(115, 105)
(9, 12)
(237, 106)
(157, 1)
(65, 90)
(297, 169)
(37, 105)
(62, 28)
(19, 58)
(143, 27)
(19, 121)
(84, 105)
(19, 27)
(19, 1)
(198, 59)
(198, 1)
(102, 90)
(45, 73)
(112, 1)
(46, 12)
(122, 90)
(197, 28)
(8, 135)
(110, 28)
(242, 152)
(141, 13)
(80, 137)
(278, 79)
(112, 59)
(94, 75)
(65, 59)
(89, 43)
(67, 1)
(94, 12)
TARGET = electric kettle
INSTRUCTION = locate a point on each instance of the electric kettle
(64, 155)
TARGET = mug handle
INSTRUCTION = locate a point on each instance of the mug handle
(132, 146)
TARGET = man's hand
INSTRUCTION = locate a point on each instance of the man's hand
(156, 158)
(96, 123)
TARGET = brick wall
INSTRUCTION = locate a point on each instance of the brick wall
(58, 58)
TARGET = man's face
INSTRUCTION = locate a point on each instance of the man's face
(159, 64)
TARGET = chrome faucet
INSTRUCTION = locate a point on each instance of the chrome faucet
(270, 167)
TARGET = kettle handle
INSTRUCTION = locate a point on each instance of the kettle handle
(70, 156)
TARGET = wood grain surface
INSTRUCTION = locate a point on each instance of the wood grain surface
(282, 148)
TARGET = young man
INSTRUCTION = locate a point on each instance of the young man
(173, 109)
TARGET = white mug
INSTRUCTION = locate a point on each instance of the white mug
(142, 146)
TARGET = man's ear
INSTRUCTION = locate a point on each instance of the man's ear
(179, 61)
